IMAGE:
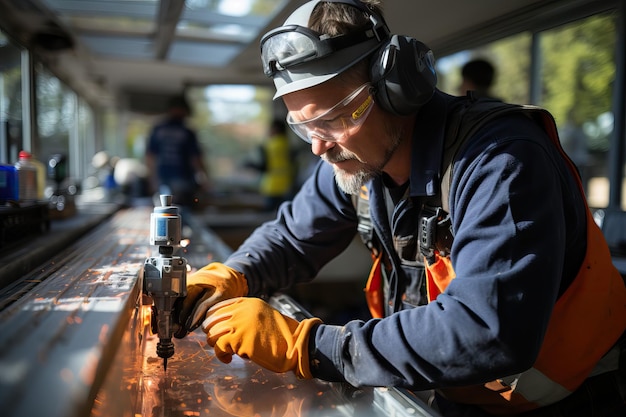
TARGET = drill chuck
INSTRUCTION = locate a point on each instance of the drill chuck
(165, 348)
(165, 224)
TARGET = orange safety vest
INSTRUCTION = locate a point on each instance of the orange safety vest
(586, 322)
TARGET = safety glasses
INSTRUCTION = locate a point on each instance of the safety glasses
(339, 121)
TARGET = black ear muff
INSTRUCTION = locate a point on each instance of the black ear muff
(403, 74)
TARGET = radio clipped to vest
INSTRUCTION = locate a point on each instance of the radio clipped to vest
(435, 233)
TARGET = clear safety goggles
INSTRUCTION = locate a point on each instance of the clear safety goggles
(339, 121)
(291, 45)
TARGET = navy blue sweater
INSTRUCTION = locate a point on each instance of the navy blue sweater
(519, 224)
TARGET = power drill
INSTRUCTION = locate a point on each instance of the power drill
(165, 276)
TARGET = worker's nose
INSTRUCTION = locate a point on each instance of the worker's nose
(319, 146)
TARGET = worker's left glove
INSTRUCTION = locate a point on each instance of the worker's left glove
(252, 329)
(208, 286)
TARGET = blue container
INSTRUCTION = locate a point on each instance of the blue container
(8, 183)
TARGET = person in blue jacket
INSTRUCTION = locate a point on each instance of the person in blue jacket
(174, 157)
(517, 310)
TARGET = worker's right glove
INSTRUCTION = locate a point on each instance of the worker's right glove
(213, 283)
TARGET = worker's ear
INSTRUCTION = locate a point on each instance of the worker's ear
(403, 74)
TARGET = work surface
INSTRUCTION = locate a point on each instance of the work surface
(75, 342)
(197, 384)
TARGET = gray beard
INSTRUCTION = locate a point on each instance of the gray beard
(351, 183)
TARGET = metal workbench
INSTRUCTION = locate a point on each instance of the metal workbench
(75, 342)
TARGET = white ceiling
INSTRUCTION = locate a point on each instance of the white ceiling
(153, 53)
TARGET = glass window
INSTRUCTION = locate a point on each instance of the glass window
(85, 140)
(230, 120)
(109, 119)
(56, 114)
(577, 73)
(510, 58)
(231, 20)
(11, 140)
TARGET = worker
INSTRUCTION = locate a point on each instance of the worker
(508, 305)
(174, 157)
(276, 166)
(477, 76)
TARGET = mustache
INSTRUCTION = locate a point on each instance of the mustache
(337, 155)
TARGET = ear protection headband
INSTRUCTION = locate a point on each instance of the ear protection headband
(402, 71)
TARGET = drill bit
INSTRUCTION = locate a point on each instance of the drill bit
(164, 364)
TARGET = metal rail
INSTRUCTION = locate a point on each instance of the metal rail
(60, 334)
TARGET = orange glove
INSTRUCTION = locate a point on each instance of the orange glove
(213, 283)
(252, 329)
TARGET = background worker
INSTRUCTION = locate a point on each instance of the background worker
(514, 308)
(275, 163)
(477, 76)
(174, 157)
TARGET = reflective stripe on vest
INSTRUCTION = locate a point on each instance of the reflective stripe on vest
(586, 322)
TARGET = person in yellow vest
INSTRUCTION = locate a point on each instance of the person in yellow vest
(278, 169)
(492, 284)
